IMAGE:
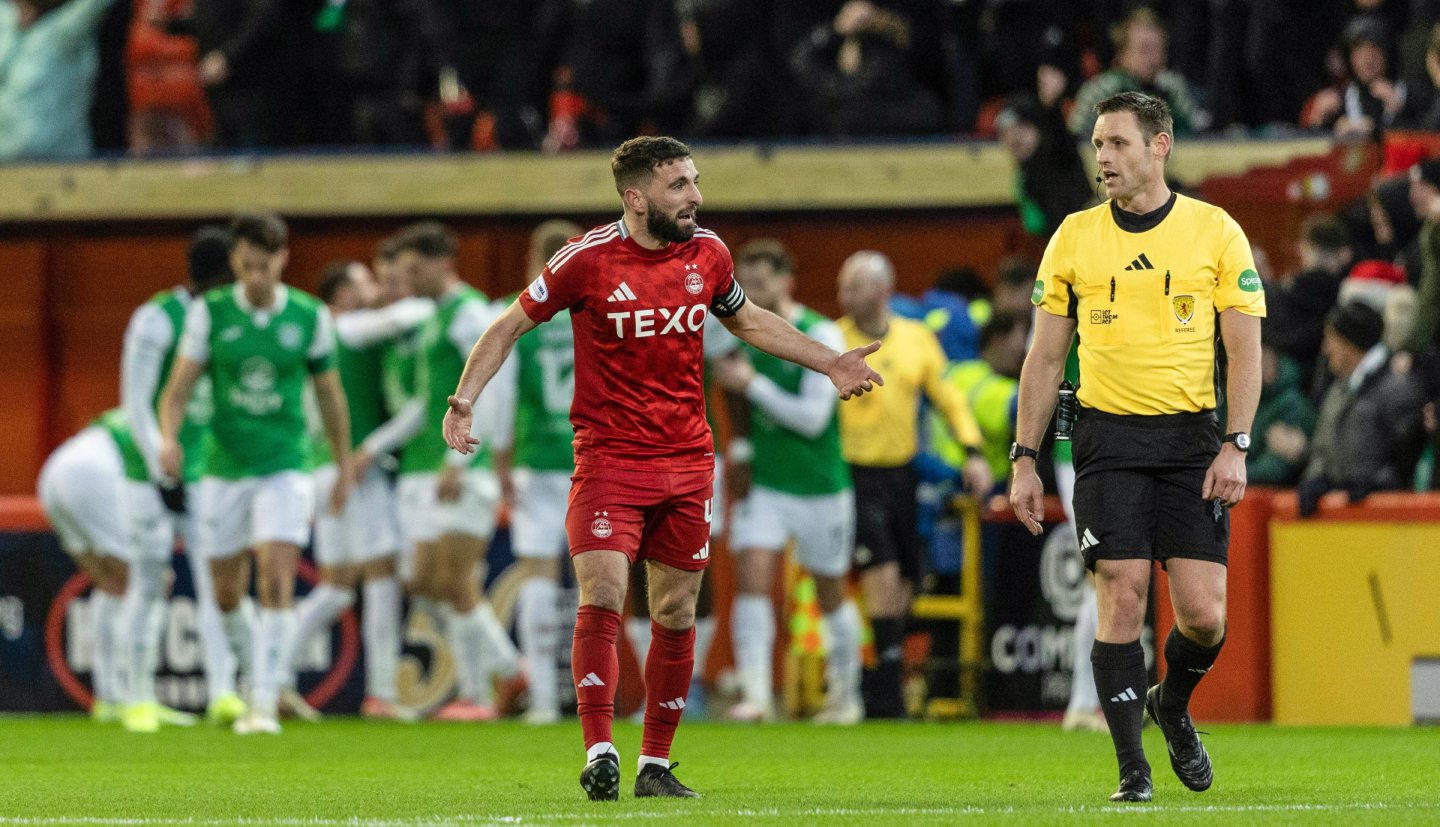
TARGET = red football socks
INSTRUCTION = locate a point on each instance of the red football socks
(596, 668)
(667, 683)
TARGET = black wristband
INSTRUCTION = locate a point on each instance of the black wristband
(1018, 451)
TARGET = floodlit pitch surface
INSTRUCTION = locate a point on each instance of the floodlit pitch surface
(65, 770)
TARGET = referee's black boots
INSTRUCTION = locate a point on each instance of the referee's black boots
(1134, 784)
(1187, 755)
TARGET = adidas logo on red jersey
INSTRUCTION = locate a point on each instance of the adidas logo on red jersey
(623, 293)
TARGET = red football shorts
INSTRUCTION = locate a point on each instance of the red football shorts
(648, 515)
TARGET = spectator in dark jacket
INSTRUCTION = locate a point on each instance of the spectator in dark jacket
(500, 53)
(250, 57)
(738, 91)
(1052, 181)
(379, 60)
(1298, 302)
(1283, 424)
(1370, 430)
(1372, 101)
(1425, 198)
(620, 70)
(856, 77)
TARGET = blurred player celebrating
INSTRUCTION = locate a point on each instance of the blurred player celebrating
(639, 290)
(79, 489)
(258, 341)
(801, 491)
(536, 468)
(363, 541)
(452, 500)
(154, 503)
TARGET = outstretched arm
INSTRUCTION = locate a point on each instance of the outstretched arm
(777, 337)
(485, 359)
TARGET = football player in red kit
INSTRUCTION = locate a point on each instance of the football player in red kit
(638, 291)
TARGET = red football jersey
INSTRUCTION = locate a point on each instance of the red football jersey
(639, 321)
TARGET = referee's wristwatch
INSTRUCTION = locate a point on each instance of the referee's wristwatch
(1239, 439)
(1017, 451)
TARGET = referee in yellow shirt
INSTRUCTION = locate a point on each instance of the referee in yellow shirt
(1146, 278)
(878, 439)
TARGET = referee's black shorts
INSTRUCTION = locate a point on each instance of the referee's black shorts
(887, 519)
(1137, 487)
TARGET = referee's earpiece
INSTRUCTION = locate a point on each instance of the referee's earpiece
(1099, 180)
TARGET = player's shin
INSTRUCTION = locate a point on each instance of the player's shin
(1083, 698)
(1121, 680)
(239, 624)
(596, 669)
(106, 613)
(502, 658)
(466, 636)
(274, 636)
(752, 624)
(143, 617)
(667, 685)
(220, 662)
(843, 663)
(538, 624)
(1186, 663)
(314, 614)
(380, 629)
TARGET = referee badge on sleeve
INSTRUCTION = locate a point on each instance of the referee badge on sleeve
(1184, 307)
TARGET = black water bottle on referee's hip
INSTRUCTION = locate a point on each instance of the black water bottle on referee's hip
(1066, 409)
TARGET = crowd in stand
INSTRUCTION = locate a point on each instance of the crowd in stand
(165, 75)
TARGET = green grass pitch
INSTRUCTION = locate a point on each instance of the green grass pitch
(64, 770)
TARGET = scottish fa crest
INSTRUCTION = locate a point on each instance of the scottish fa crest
(1184, 307)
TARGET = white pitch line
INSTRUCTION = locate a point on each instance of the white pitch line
(744, 813)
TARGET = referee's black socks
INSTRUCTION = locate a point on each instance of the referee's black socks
(1121, 681)
(1186, 662)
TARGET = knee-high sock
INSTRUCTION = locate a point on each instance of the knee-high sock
(313, 615)
(106, 668)
(380, 629)
(667, 685)
(596, 669)
(501, 656)
(637, 633)
(240, 630)
(704, 637)
(843, 665)
(1082, 686)
(220, 663)
(1121, 681)
(274, 636)
(466, 634)
(883, 690)
(538, 622)
(1186, 662)
(752, 626)
(142, 618)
